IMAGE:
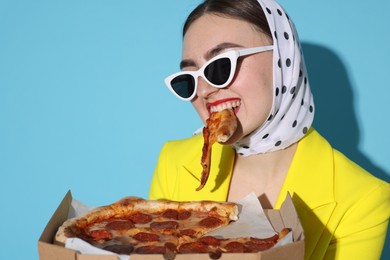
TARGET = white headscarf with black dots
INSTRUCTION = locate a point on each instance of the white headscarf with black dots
(292, 111)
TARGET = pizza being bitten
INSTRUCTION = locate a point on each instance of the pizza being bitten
(220, 126)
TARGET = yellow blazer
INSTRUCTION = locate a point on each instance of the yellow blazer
(343, 209)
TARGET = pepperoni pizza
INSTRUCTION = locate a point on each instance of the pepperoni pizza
(137, 226)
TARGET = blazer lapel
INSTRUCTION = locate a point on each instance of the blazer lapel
(216, 188)
(310, 181)
(314, 221)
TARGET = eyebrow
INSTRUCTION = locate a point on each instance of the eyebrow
(209, 54)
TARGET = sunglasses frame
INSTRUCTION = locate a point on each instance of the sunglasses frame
(232, 55)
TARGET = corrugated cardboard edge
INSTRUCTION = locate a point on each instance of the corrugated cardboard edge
(288, 217)
(285, 217)
(46, 249)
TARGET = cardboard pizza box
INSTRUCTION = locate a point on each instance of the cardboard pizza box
(279, 219)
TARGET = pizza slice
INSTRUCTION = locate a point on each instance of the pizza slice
(135, 225)
(220, 126)
(216, 246)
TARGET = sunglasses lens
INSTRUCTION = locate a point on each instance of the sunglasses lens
(218, 72)
(184, 85)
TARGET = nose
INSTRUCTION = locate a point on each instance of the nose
(205, 89)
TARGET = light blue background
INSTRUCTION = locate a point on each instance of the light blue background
(83, 105)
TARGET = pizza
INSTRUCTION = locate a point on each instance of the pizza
(133, 225)
(220, 126)
(216, 246)
(147, 226)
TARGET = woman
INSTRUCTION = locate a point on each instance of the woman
(343, 209)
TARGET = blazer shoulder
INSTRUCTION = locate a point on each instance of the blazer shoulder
(347, 171)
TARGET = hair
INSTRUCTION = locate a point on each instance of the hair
(246, 10)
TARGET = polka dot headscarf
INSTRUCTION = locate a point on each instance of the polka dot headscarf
(292, 111)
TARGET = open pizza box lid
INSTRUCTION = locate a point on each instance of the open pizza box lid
(286, 217)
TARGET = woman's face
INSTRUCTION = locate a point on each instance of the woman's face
(250, 92)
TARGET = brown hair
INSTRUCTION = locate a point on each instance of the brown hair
(246, 10)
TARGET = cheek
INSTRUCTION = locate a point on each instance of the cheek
(257, 94)
(262, 96)
(257, 87)
(259, 100)
(258, 107)
(200, 109)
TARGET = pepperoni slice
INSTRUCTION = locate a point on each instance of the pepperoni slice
(140, 218)
(120, 249)
(237, 247)
(171, 247)
(171, 214)
(183, 214)
(216, 254)
(146, 237)
(187, 232)
(193, 247)
(100, 234)
(209, 240)
(164, 225)
(210, 222)
(120, 225)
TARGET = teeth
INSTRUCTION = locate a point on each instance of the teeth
(226, 105)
